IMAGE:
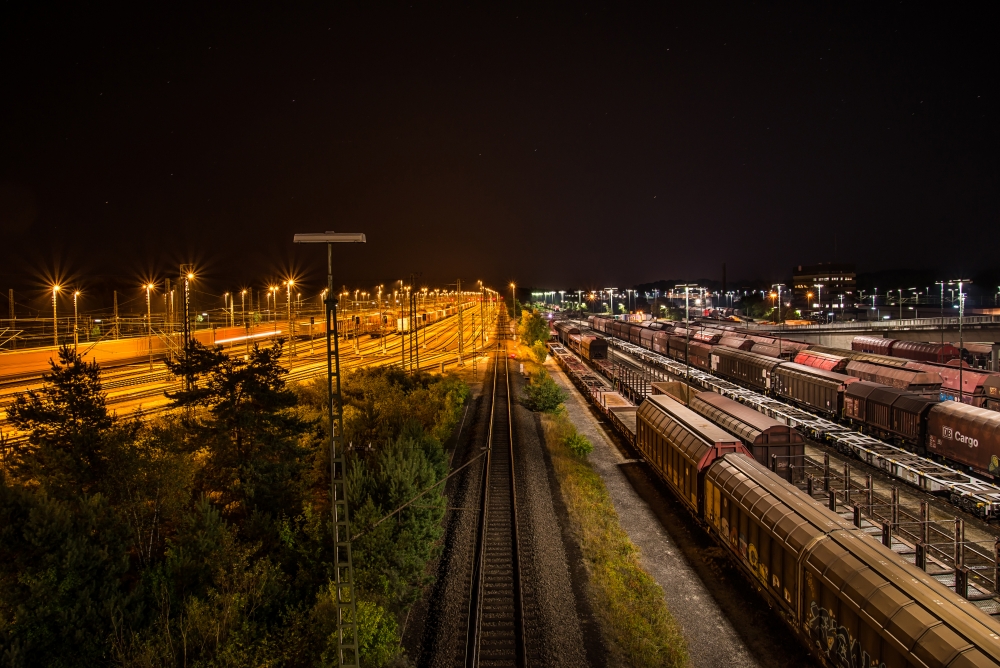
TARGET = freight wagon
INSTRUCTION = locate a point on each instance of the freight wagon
(965, 434)
(820, 360)
(912, 350)
(820, 390)
(767, 439)
(914, 380)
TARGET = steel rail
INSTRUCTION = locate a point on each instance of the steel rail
(495, 633)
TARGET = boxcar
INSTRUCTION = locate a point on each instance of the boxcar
(744, 367)
(593, 348)
(991, 392)
(706, 336)
(564, 330)
(965, 434)
(913, 380)
(814, 388)
(920, 351)
(967, 386)
(856, 401)
(736, 342)
(773, 351)
(874, 358)
(820, 360)
(680, 444)
(897, 415)
(661, 343)
(849, 599)
(873, 344)
(698, 354)
(763, 436)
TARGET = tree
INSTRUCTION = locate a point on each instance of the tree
(541, 393)
(247, 429)
(533, 328)
(72, 436)
(62, 568)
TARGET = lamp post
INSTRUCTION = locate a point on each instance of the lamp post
(611, 295)
(961, 340)
(243, 307)
(149, 324)
(513, 302)
(687, 336)
(941, 300)
(55, 317)
(344, 598)
(76, 320)
(291, 334)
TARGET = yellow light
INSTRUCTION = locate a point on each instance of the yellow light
(190, 276)
(55, 288)
(76, 294)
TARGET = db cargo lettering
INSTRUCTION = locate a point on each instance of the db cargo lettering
(960, 437)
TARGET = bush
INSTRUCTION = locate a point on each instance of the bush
(579, 445)
(542, 394)
(539, 351)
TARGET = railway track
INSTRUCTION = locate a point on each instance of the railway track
(496, 624)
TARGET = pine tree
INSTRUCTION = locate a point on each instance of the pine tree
(247, 428)
(70, 431)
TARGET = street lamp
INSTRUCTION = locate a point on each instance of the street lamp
(76, 320)
(687, 336)
(149, 323)
(513, 301)
(961, 340)
(55, 317)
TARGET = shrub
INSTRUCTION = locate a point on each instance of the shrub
(579, 445)
(542, 394)
(539, 351)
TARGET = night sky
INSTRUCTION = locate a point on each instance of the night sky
(561, 147)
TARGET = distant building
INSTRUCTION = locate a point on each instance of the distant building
(820, 286)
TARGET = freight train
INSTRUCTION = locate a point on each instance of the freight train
(850, 600)
(904, 410)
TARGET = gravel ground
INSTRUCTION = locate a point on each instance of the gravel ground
(724, 622)
(557, 637)
(553, 588)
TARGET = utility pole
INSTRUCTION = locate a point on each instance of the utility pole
(13, 317)
(117, 330)
(344, 599)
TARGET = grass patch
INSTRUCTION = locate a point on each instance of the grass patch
(628, 601)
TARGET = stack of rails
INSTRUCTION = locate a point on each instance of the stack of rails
(971, 494)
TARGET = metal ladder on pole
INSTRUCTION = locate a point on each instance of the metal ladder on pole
(344, 599)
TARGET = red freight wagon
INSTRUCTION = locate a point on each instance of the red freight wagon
(823, 361)
(873, 344)
(922, 382)
(925, 352)
(971, 382)
(965, 434)
(736, 342)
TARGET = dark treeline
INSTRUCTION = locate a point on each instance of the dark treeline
(204, 538)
